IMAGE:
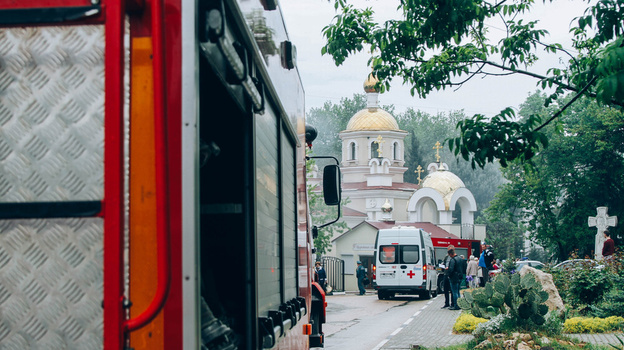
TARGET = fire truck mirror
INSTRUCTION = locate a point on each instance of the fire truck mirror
(331, 185)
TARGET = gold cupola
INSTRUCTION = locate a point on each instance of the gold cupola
(372, 118)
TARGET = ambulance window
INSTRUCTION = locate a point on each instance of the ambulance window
(410, 254)
(388, 254)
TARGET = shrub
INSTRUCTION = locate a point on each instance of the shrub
(588, 285)
(466, 323)
(554, 324)
(593, 324)
(498, 324)
(612, 303)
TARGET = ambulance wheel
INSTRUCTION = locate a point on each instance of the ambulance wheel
(426, 295)
(381, 295)
(441, 286)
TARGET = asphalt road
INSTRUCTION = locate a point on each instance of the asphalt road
(357, 322)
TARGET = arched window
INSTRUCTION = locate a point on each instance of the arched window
(374, 149)
(352, 151)
(395, 150)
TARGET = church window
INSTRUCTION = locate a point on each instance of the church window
(352, 151)
(374, 149)
(395, 150)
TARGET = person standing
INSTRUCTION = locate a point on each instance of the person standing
(608, 248)
(360, 274)
(463, 265)
(472, 270)
(485, 263)
(322, 275)
(455, 275)
(489, 259)
(446, 284)
(482, 267)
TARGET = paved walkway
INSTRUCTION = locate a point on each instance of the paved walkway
(600, 338)
(431, 327)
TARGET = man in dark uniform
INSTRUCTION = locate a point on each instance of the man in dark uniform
(322, 276)
(446, 283)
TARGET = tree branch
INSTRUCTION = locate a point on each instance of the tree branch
(578, 95)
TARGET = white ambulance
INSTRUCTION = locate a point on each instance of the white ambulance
(404, 263)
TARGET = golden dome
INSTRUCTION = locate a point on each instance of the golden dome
(372, 119)
(444, 182)
(369, 84)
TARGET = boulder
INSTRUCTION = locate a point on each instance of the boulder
(554, 301)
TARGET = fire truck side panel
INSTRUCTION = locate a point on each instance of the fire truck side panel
(171, 29)
(51, 180)
(143, 281)
(190, 179)
(211, 192)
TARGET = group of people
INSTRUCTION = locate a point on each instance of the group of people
(456, 269)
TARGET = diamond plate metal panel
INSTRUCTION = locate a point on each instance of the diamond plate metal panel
(51, 113)
(51, 284)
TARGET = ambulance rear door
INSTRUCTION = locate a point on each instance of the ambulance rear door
(410, 262)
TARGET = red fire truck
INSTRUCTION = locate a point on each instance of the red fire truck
(152, 178)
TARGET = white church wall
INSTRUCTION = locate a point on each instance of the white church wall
(429, 212)
(479, 232)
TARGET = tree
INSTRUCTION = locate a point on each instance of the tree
(441, 44)
(425, 129)
(582, 168)
(321, 214)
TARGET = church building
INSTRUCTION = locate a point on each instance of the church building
(372, 166)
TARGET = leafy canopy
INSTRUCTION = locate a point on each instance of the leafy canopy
(442, 44)
(582, 169)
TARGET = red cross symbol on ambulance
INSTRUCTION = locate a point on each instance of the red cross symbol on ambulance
(411, 274)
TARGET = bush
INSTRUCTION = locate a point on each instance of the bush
(588, 285)
(554, 324)
(593, 324)
(612, 303)
(466, 323)
(498, 324)
(591, 286)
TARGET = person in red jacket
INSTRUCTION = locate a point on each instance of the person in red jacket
(608, 248)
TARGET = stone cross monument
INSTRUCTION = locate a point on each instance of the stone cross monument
(601, 222)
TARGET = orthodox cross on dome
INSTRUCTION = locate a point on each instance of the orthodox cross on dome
(601, 222)
(379, 143)
(437, 147)
(419, 170)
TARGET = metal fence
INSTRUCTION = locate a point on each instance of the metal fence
(334, 267)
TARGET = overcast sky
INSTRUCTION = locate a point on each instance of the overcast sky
(323, 81)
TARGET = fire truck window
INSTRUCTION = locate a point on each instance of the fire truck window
(410, 254)
(388, 254)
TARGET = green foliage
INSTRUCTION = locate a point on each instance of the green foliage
(587, 285)
(593, 324)
(331, 119)
(612, 302)
(520, 299)
(466, 323)
(425, 129)
(438, 45)
(589, 291)
(321, 213)
(581, 170)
